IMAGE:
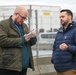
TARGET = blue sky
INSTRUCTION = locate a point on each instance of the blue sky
(70, 4)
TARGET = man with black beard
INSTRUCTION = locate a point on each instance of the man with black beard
(64, 48)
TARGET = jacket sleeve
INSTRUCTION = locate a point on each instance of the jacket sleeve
(72, 47)
(6, 41)
(53, 51)
(33, 41)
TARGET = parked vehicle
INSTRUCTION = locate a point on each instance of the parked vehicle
(47, 37)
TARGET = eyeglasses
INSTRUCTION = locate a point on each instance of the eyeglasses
(24, 18)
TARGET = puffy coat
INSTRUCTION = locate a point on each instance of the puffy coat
(11, 46)
(65, 60)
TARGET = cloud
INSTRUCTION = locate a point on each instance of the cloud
(70, 4)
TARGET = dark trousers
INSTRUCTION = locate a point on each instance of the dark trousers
(10, 72)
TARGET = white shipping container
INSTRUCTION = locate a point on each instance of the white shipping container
(48, 16)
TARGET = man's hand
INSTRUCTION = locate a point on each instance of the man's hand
(63, 46)
(34, 33)
(27, 38)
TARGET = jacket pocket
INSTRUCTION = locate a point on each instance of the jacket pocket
(8, 59)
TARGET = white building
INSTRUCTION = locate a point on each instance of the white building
(48, 16)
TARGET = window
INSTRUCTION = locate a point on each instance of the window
(48, 35)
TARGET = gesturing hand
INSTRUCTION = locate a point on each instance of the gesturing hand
(63, 46)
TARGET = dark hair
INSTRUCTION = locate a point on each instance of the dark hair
(69, 12)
